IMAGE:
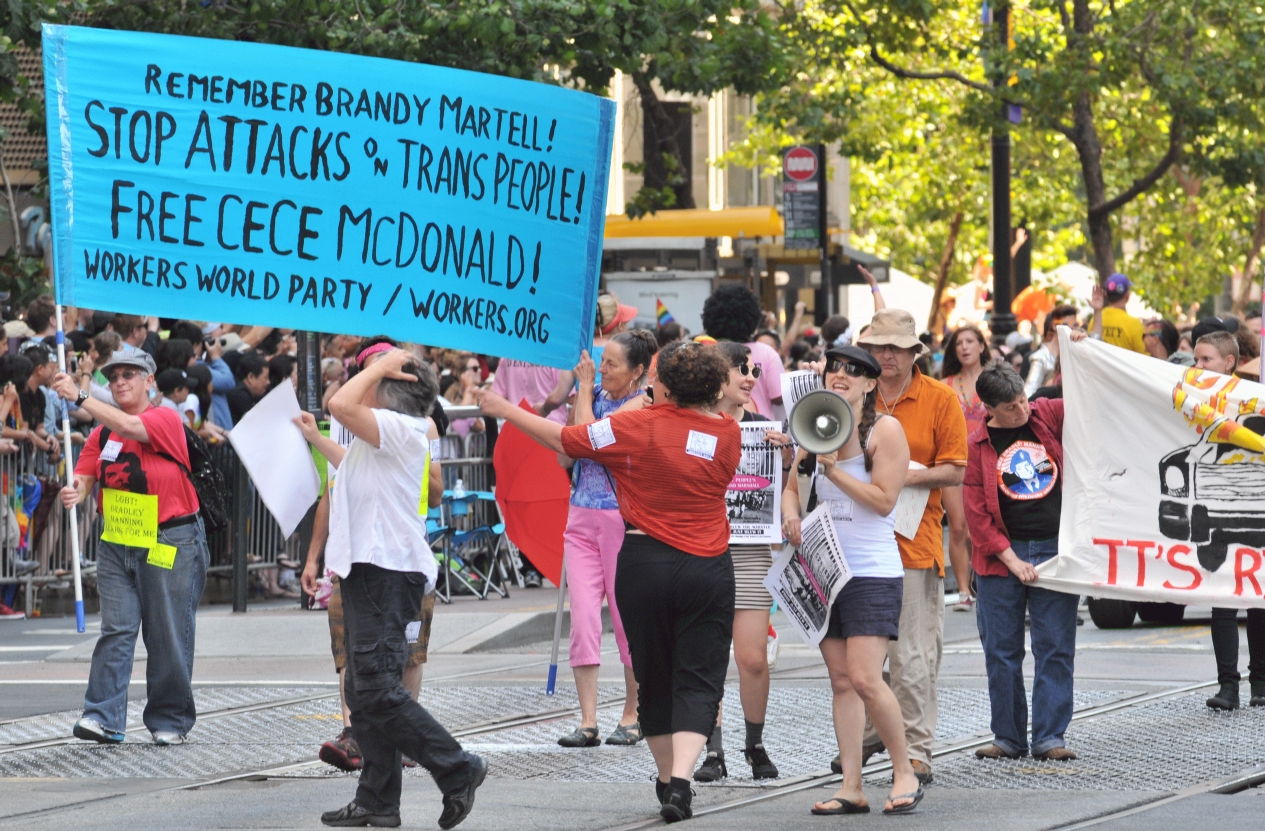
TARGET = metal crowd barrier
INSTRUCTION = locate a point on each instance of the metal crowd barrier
(251, 542)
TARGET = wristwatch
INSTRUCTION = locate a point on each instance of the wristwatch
(83, 396)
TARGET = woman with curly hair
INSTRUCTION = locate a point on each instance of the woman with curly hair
(732, 313)
(671, 463)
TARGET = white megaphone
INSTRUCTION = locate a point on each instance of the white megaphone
(821, 422)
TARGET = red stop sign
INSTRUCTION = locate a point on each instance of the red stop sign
(800, 164)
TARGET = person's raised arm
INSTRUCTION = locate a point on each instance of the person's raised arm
(327, 447)
(879, 302)
(541, 430)
(585, 375)
(119, 422)
(792, 331)
(1097, 301)
(890, 452)
(347, 404)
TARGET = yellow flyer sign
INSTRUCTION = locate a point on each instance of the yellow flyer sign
(163, 556)
(423, 506)
(131, 519)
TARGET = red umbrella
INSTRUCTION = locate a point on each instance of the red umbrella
(533, 493)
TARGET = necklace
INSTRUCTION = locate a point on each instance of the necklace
(889, 407)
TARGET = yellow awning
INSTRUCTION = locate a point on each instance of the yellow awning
(760, 221)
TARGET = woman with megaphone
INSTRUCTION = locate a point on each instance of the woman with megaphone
(860, 480)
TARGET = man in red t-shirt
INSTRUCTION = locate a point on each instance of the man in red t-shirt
(152, 559)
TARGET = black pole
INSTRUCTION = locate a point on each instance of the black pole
(1002, 321)
(241, 536)
(310, 386)
(823, 230)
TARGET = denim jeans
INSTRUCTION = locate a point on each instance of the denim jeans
(378, 604)
(162, 603)
(1000, 617)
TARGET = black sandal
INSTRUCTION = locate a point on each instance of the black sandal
(581, 737)
(908, 808)
(845, 807)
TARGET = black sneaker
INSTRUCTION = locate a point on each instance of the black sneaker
(458, 803)
(762, 766)
(1226, 698)
(342, 752)
(1258, 694)
(676, 802)
(660, 789)
(352, 815)
(713, 768)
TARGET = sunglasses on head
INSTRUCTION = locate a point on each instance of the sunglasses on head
(747, 369)
(851, 368)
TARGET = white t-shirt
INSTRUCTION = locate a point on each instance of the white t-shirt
(374, 514)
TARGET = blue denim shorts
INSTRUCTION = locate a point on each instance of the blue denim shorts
(867, 606)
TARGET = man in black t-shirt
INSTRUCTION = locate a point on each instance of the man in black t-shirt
(1013, 494)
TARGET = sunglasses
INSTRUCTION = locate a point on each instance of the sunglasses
(125, 374)
(747, 369)
(851, 368)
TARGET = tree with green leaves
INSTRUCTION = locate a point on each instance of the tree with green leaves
(1132, 87)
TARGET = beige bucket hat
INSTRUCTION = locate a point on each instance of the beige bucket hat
(895, 327)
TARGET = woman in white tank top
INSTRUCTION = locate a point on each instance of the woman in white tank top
(859, 484)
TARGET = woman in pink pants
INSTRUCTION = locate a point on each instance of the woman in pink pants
(595, 533)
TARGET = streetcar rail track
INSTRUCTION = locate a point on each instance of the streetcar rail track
(809, 781)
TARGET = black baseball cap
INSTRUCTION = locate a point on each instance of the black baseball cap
(856, 355)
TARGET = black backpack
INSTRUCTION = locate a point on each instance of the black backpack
(205, 477)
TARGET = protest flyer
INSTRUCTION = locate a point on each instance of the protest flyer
(806, 580)
(754, 498)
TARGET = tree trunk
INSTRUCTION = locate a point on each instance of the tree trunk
(1252, 265)
(942, 272)
(664, 131)
(13, 209)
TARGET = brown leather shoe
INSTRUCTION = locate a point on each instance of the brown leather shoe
(993, 751)
(1055, 754)
(922, 770)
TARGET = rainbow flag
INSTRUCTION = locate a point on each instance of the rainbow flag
(661, 312)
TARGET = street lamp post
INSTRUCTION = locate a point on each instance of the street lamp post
(1002, 321)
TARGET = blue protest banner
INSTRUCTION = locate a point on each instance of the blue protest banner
(252, 183)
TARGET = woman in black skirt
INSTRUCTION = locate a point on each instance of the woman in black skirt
(672, 463)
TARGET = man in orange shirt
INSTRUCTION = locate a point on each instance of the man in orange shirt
(936, 431)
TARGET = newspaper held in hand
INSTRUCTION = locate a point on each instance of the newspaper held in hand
(805, 581)
(911, 504)
(754, 498)
(795, 385)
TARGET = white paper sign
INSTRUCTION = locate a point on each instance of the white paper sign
(601, 434)
(702, 445)
(754, 498)
(276, 455)
(911, 504)
(797, 384)
(805, 581)
(1163, 481)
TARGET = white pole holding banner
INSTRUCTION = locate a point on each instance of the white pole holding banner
(552, 685)
(68, 461)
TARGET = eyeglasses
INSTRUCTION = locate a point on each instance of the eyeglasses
(747, 369)
(852, 368)
(879, 349)
(125, 374)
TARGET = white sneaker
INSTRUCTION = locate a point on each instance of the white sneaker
(163, 738)
(773, 648)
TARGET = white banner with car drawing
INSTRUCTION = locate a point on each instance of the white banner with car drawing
(1164, 481)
